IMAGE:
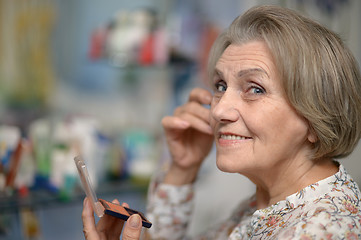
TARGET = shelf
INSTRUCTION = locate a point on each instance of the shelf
(44, 198)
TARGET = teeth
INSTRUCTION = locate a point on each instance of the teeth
(232, 137)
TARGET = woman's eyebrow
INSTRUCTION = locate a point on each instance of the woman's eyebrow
(252, 70)
(243, 72)
(218, 72)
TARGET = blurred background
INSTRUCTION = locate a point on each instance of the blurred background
(96, 77)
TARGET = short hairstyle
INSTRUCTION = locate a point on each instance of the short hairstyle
(320, 76)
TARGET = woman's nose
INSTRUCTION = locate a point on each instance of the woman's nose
(224, 108)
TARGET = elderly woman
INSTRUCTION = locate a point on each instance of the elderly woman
(285, 104)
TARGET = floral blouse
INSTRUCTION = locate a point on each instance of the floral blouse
(328, 209)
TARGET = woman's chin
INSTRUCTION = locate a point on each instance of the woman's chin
(224, 167)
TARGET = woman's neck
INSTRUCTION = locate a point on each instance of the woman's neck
(275, 185)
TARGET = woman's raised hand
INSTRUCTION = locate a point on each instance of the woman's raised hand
(189, 137)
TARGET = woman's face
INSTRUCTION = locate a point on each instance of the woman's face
(255, 127)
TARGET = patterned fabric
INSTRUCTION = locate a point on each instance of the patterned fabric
(328, 209)
(169, 209)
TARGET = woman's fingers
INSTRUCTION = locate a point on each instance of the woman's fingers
(110, 226)
(89, 228)
(191, 114)
(197, 123)
(125, 205)
(133, 228)
(195, 109)
(200, 95)
(171, 123)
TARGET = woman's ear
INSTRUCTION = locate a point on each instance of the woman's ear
(312, 136)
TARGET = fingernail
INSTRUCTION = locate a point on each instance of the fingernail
(184, 124)
(134, 221)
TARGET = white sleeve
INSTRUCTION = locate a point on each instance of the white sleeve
(169, 209)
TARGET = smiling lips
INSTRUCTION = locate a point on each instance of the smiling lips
(226, 136)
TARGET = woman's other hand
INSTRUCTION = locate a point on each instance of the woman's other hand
(109, 227)
(189, 137)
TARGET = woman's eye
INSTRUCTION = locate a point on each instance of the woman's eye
(220, 86)
(257, 90)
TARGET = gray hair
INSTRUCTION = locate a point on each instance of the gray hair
(319, 74)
